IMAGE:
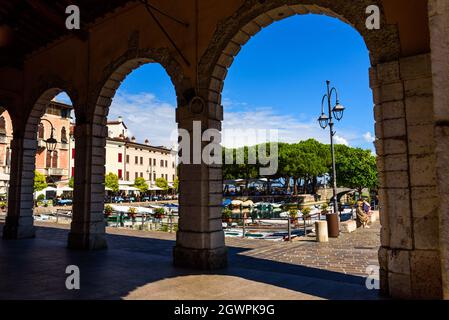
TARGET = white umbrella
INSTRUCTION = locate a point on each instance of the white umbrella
(107, 189)
(155, 189)
(65, 189)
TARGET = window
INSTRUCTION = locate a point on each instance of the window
(137, 175)
(166, 163)
(73, 153)
(73, 171)
(48, 160)
(8, 156)
(136, 160)
(141, 161)
(55, 159)
(154, 177)
(127, 175)
(150, 162)
(40, 131)
(162, 163)
(120, 173)
(127, 158)
(64, 135)
(2, 125)
(154, 162)
(141, 174)
(120, 158)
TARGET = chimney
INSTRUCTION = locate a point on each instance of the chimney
(133, 139)
(120, 119)
(147, 142)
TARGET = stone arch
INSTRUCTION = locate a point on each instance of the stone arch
(38, 110)
(116, 72)
(410, 227)
(254, 15)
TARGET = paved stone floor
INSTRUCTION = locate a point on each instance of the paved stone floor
(137, 265)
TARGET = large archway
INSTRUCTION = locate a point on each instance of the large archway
(408, 246)
(88, 229)
(29, 151)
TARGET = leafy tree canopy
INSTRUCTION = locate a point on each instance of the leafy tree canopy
(111, 182)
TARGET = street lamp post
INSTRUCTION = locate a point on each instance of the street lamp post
(51, 143)
(327, 120)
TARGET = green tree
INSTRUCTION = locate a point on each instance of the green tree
(111, 182)
(40, 182)
(162, 183)
(72, 182)
(176, 184)
(356, 168)
(141, 184)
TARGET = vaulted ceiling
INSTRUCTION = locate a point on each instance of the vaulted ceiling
(26, 25)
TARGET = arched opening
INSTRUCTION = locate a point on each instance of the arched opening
(39, 165)
(277, 80)
(139, 104)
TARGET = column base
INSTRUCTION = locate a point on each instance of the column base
(13, 230)
(202, 259)
(80, 241)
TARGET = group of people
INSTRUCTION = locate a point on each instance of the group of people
(363, 213)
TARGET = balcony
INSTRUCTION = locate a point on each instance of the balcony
(56, 172)
(63, 146)
(41, 144)
(3, 139)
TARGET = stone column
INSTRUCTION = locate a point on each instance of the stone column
(439, 36)
(409, 256)
(19, 221)
(88, 225)
(200, 240)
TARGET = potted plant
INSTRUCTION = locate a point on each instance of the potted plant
(324, 208)
(132, 213)
(159, 213)
(108, 210)
(227, 215)
(306, 213)
(293, 215)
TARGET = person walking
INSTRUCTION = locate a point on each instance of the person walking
(362, 216)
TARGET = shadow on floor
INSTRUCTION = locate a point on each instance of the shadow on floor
(35, 269)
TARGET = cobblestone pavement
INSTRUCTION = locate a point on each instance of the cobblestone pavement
(137, 265)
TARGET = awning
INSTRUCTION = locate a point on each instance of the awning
(127, 188)
(155, 189)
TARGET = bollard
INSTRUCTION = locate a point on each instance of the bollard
(321, 231)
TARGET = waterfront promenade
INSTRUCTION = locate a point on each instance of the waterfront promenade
(138, 265)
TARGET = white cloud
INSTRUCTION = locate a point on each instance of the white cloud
(145, 116)
(149, 118)
(341, 140)
(368, 137)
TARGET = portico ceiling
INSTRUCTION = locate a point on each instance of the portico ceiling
(26, 25)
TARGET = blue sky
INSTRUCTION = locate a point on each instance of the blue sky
(276, 82)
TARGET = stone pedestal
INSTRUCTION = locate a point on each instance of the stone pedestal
(203, 259)
(321, 231)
